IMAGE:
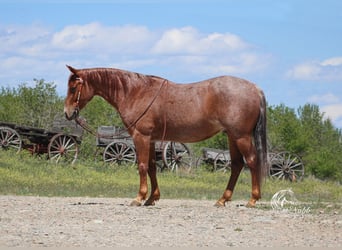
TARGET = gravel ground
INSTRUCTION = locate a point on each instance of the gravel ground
(94, 222)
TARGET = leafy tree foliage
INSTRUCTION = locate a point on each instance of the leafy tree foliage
(32, 106)
(324, 150)
(9, 108)
(284, 130)
(98, 112)
(306, 133)
(218, 141)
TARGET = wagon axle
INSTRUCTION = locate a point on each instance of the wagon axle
(4, 144)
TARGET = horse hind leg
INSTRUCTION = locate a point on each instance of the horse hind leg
(240, 150)
(237, 164)
(248, 150)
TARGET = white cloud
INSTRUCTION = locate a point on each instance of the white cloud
(133, 63)
(21, 39)
(188, 40)
(305, 71)
(234, 64)
(211, 54)
(327, 70)
(330, 105)
(98, 38)
(334, 112)
(324, 99)
(35, 51)
(335, 61)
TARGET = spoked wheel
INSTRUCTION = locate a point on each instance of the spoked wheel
(200, 161)
(286, 166)
(222, 162)
(63, 149)
(119, 153)
(203, 162)
(177, 157)
(10, 139)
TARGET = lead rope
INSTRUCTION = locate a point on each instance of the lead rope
(148, 107)
(164, 129)
(85, 126)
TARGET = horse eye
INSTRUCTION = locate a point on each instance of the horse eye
(72, 90)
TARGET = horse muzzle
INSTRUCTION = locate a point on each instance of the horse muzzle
(71, 114)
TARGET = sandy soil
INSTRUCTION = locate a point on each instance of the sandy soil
(95, 222)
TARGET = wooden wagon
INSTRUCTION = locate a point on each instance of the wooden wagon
(118, 147)
(60, 143)
(283, 165)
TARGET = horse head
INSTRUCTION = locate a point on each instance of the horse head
(78, 95)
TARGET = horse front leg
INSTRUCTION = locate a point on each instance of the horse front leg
(152, 173)
(142, 146)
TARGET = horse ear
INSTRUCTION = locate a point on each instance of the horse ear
(72, 70)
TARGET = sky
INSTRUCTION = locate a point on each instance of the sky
(292, 49)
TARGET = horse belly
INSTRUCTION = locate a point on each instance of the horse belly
(192, 130)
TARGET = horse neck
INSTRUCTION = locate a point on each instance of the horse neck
(117, 86)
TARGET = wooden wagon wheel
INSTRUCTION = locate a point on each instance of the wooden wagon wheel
(200, 161)
(63, 148)
(204, 161)
(119, 153)
(10, 139)
(177, 156)
(286, 166)
(222, 162)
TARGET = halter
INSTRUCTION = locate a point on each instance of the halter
(77, 103)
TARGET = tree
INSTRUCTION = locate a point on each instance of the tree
(31, 106)
(9, 105)
(323, 155)
(309, 135)
(40, 104)
(284, 130)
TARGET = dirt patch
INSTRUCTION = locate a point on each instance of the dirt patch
(95, 222)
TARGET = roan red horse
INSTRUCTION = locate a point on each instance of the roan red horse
(155, 109)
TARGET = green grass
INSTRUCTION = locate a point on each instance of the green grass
(23, 174)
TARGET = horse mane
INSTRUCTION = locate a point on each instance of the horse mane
(106, 75)
(110, 78)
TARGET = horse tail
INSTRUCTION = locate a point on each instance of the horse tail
(260, 140)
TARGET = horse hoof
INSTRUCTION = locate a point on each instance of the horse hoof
(149, 203)
(219, 204)
(250, 204)
(135, 203)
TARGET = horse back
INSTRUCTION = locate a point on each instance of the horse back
(200, 110)
(217, 97)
